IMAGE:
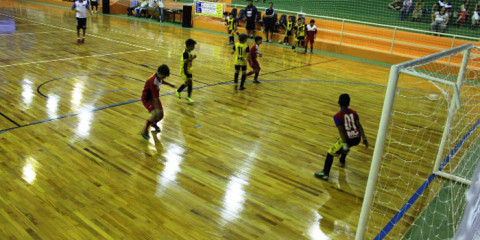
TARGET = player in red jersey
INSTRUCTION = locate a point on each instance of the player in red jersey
(311, 30)
(254, 53)
(351, 131)
(151, 98)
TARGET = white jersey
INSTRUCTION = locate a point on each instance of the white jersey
(160, 3)
(81, 8)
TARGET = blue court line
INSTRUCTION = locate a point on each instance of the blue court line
(170, 93)
(422, 188)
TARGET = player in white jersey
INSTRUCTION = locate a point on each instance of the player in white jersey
(81, 8)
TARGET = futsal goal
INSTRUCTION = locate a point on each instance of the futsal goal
(427, 148)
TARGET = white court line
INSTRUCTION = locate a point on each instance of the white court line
(72, 58)
(30, 33)
(70, 30)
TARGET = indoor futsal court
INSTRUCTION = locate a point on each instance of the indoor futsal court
(232, 165)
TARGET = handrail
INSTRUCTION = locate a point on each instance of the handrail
(365, 23)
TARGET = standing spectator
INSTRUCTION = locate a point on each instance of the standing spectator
(475, 19)
(160, 10)
(462, 17)
(439, 21)
(151, 6)
(418, 11)
(269, 21)
(132, 7)
(406, 9)
(81, 7)
(250, 13)
(141, 8)
(94, 4)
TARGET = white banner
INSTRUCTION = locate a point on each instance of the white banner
(209, 9)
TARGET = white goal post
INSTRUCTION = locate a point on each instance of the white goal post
(452, 86)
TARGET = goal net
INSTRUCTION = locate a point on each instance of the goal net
(427, 148)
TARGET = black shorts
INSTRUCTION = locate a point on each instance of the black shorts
(269, 27)
(95, 4)
(250, 25)
(238, 67)
(81, 23)
(288, 33)
(302, 38)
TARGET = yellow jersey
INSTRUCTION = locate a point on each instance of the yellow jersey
(241, 53)
(186, 57)
(300, 30)
(289, 26)
(231, 24)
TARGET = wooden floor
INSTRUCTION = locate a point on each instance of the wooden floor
(233, 165)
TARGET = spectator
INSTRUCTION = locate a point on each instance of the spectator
(269, 21)
(462, 17)
(395, 5)
(160, 10)
(132, 7)
(418, 11)
(406, 9)
(447, 5)
(250, 13)
(475, 19)
(439, 21)
(141, 8)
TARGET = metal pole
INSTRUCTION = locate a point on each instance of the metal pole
(378, 152)
(393, 39)
(341, 32)
(451, 111)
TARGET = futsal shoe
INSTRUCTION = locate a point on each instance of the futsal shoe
(78, 40)
(342, 164)
(242, 88)
(83, 40)
(256, 81)
(155, 126)
(321, 175)
(190, 99)
(178, 94)
(145, 135)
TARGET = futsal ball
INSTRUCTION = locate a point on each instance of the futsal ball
(280, 41)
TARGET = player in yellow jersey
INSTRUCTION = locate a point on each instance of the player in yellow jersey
(299, 33)
(186, 69)
(241, 51)
(288, 30)
(232, 28)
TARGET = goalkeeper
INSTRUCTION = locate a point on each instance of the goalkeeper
(351, 132)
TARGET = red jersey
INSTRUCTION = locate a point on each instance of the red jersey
(311, 31)
(151, 89)
(348, 118)
(254, 52)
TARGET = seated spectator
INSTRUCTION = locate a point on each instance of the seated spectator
(396, 5)
(439, 21)
(132, 7)
(141, 8)
(406, 9)
(475, 19)
(418, 11)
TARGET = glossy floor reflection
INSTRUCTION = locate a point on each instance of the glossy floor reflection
(233, 165)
